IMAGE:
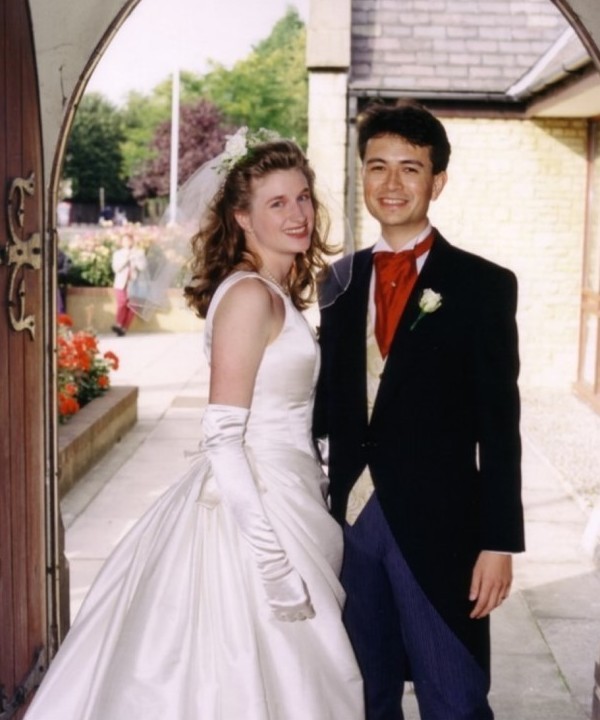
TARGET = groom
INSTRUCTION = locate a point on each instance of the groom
(418, 398)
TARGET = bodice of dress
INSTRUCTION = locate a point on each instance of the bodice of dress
(282, 404)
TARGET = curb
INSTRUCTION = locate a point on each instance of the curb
(89, 434)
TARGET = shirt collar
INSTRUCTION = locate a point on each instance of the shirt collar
(383, 246)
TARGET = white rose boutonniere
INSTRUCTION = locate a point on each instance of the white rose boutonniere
(430, 301)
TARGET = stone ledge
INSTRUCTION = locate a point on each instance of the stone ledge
(93, 308)
(92, 432)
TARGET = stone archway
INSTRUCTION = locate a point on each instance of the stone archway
(96, 26)
(584, 16)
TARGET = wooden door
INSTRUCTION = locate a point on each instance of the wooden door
(23, 644)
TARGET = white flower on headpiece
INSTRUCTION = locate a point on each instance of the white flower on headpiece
(236, 148)
(238, 145)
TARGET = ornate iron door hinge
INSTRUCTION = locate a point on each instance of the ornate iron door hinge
(22, 692)
(19, 254)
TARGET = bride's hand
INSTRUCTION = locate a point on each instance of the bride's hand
(288, 597)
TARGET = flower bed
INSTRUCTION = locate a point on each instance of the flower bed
(90, 249)
(83, 372)
(91, 419)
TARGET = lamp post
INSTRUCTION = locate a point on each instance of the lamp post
(174, 148)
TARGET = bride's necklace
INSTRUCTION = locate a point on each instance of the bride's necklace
(269, 275)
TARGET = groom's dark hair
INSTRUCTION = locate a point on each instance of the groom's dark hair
(411, 121)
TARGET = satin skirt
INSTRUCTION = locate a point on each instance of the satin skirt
(177, 627)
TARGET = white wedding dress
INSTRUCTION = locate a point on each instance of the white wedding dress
(177, 626)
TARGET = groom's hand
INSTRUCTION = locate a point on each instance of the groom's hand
(490, 583)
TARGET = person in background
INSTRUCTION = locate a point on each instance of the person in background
(63, 264)
(120, 217)
(127, 262)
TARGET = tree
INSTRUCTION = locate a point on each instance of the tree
(202, 135)
(267, 89)
(94, 159)
(143, 114)
(270, 87)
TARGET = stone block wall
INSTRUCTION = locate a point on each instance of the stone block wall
(327, 145)
(469, 45)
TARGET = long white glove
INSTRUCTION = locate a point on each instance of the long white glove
(223, 429)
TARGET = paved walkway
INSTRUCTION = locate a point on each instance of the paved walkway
(546, 637)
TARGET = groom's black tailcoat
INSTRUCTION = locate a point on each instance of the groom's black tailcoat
(443, 443)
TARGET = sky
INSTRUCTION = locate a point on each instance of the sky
(161, 35)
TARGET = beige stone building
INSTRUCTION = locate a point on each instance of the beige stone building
(520, 98)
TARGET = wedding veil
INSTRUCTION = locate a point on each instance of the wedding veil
(167, 260)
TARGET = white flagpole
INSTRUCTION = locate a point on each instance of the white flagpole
(174, 148)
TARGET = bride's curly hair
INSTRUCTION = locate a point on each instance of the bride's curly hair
(219, 247)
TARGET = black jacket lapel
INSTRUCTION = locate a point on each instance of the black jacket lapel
(352, 309)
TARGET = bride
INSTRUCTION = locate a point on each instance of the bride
(223, 602)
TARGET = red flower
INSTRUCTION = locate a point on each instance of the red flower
(67, 405)
(112, 359)
(65, 320)
(83, 373)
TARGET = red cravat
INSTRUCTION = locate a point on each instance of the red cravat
(395, 276)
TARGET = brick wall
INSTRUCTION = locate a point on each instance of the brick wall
(516, 195)
(446, 45)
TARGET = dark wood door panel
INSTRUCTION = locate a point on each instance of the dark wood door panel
(22, 551)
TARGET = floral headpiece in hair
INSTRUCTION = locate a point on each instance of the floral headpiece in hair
(239, 145)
